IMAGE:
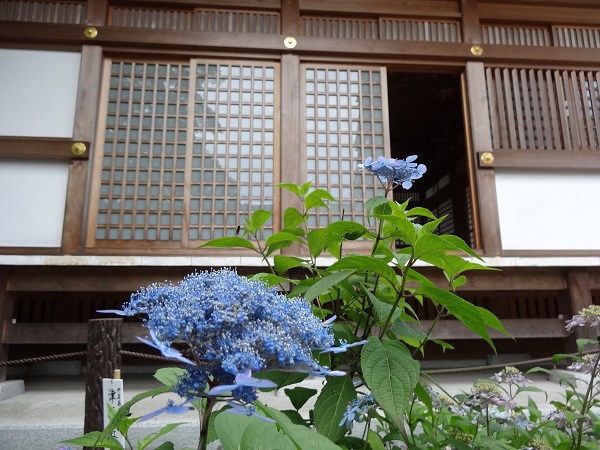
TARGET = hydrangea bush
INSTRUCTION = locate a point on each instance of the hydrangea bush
(350, 322)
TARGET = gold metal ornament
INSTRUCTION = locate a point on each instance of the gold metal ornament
(290, 42)
(487, 158)
(477, 50)
(90, 32)
(78, 148)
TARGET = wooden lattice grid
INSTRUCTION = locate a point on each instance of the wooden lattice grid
(189, 150)
(346, 121)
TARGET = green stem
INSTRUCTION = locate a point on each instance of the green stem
(586, 402)
(399, 297)
(440, 314)
(204, 420)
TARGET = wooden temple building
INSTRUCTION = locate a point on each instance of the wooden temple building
(132, 131)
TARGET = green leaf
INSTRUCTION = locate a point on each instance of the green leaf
(270, 279)
(284, 263)
(464, 311)
(295, 417)
(373, 203)
(347, 230)
(147, 440)
(459, 244)
(331, 406)
(317, 241)
(230, 429)
(258, 219)
(326, 283)
(169, 376)
(212, 432)
(419, 211)
(375, 441)
(229, 242)
(93, 439)
(581, 343)
(367, 264)
(280, 378)
(315, 199)
(492, 321)
(299, 395)
(304, 438)
(166, 446)
(458, 282)
(292, 218)
(403, 228)
(292, 188)
(280, 240)
(392, 374)
(382, 309)
(265, 436)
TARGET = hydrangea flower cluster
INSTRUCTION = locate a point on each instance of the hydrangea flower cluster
(587, 316)
(588, 364)
(393, 172)
(511, 375)
(358, 410)
(225, 327)
(486, 394)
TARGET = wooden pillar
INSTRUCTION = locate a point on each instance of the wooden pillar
(470, 25)
(290, 18)
(103, 357)
(481, 141)
(6, 315)
(84, 129)
(580, 296)
(96, 12)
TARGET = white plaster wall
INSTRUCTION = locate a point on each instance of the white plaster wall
(38, 92)
(32, 203)
(548, 210)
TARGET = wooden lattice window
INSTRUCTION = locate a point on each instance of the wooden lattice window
(346, 121)
(340, 27)
(400, 29)
(188, 150)
(514, 35)
(199, 19)
(43, 11)
(585, 37)
(544, 109)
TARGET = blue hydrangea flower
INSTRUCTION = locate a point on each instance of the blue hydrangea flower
(226, 327)
(393, 172)
(358, 410)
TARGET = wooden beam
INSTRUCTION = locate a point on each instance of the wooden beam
(481, 139)
(39, 148)
(537, 13)
(63, 333)
(517, 328)
(421, 8)
(95, 13)
(167, 41)
(541, 160)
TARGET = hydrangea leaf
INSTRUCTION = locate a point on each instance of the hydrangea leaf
(375, 441)
(283, 263)
(229, 242)
(281, 378)
(464, 311)
(280, 240)
(315, 199)
(258, 219)
(347, 230)
(169, 376)
(368, 264)
(304, 438)
(382, 309)
(93, 439)
(299, 395)
(326, 283)
(149, 439)
(265, 436)
(391, 373)
(331, 405)
(292, 218)
(230, 429)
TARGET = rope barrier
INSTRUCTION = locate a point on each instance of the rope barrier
(529, 362)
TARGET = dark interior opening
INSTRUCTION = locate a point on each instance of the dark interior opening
(426, 119)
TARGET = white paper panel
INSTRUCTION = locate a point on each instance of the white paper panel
(32, 203)
(548, 210)
(38, 92)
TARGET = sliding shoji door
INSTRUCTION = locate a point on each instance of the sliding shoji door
(187, 150)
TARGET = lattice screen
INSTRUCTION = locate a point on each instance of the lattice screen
(346, 121)
(188, 150)
(514, 35)
(401, 29)
(565, 36)
(43, 11)
(195, 19)
(544, 109)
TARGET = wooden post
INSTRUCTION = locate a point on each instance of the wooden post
(7, 301)
(103, 357)
(580, 296)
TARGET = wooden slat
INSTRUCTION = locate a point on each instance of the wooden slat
(545, 131)
(509, 91)
(63, 333)
(557, 142)
(39, 148)
(518, 329)
(542, 160)
(520, 104)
